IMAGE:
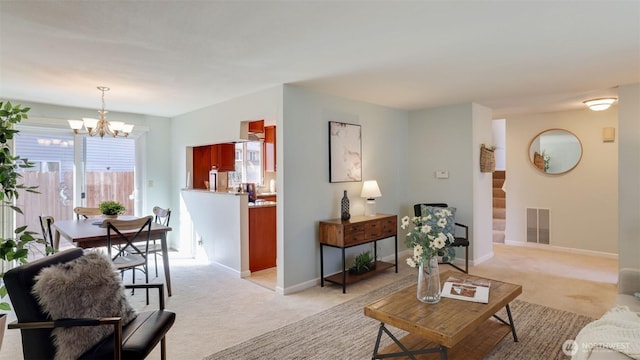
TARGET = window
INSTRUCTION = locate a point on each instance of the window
(73, 171)
(248, 164)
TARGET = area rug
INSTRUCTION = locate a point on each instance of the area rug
(344, 332)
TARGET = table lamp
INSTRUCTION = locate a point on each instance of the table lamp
(370, 191)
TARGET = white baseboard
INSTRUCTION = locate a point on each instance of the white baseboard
(481, 259)
(298, 287)
(232, 271)
(559, 248)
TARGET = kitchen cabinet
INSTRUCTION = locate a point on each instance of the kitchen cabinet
(201, 166)
(223, 156)
(256, 126)
(262, 237)
(269, 148)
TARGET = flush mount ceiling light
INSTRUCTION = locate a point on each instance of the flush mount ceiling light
(599, 104)
(101, 126)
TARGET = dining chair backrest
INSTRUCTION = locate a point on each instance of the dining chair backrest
(118, 233)
(162, 216)
(47, 233)
(86, 212)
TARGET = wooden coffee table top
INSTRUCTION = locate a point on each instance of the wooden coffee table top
(447, 322)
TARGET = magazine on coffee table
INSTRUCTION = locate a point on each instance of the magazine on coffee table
(476, 290)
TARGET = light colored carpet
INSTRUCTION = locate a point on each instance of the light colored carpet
(217, 310)
(344, 332)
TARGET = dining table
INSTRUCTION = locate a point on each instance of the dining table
(89, 233)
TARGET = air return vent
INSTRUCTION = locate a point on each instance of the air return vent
(538, 225)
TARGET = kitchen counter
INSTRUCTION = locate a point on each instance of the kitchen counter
(262, 203)
(215, 192)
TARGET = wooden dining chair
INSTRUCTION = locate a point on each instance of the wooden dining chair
(47, 234)
(86, 212)
(134, 245)
(162, 217)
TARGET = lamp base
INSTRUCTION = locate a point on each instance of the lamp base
(370, 207)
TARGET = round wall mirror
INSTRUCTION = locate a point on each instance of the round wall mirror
(555, 151)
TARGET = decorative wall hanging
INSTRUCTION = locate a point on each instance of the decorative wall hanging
(345, 152)
(487, 159)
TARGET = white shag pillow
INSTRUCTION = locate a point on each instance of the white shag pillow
(87, 287)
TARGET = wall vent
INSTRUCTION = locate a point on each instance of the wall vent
(538, 225)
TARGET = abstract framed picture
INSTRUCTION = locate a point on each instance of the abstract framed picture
(345, 152)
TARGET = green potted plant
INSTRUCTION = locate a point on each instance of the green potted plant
(111, 208)
(13, 248)
(362, 263)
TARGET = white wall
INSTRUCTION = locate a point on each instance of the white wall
(583, 203)
(482, 133)
(220, 222)
(448, 138)
(629, 175)
(500, 141)
(303, 173)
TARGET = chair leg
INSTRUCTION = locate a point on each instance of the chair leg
(163, 348)
(155, 257)
(466, 259)
(146, 275)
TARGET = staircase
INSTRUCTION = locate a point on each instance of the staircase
(499, 206)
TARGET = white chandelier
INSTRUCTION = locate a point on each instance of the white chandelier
(101, 126)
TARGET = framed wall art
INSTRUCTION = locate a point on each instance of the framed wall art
(345, 152)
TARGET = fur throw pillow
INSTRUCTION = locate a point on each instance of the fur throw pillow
(87, 287)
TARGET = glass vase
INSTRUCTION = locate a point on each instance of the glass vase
(429, 289)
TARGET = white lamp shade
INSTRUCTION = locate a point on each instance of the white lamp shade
(76, 124)
(370, 190)
(127, 128)
(90, 123)
(116, 125)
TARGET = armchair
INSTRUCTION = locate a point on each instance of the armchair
(134, 340)
(459, 241)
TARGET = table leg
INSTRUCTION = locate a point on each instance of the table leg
(344, 273)
(405, 352)
(511, 324)
(395, 242)
(165, 261)
(56, 240)
(321, 266)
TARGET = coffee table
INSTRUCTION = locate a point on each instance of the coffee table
(456, 328)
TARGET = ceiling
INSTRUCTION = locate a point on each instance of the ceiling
(172, 57)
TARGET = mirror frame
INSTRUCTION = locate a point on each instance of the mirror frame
(531, 161)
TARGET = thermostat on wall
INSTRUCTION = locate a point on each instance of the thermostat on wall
(442, 174)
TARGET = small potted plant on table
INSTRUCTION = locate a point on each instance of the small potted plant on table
(111, 209)
(362, 264)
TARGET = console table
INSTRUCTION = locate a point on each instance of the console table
(357, 231)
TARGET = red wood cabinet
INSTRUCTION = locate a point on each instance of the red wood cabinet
(269, 148)
(256, 126)
(223, 156)
(262, 237)
(201, 166)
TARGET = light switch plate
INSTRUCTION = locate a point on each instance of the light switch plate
(442, 174)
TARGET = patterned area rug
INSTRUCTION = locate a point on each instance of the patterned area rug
(344, 332)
